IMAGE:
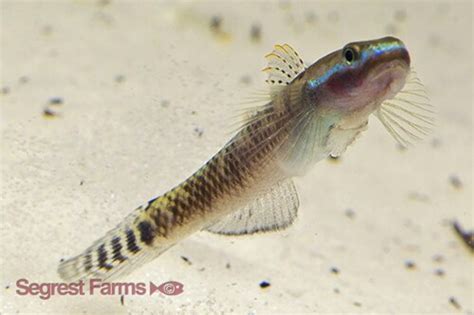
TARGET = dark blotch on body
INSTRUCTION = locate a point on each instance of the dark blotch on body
(102, 257)
(132, 242)
(147, 234)
(117, 250)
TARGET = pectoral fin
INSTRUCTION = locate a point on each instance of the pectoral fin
(274, 210)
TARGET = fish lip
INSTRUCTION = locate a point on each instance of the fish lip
(391, 78)
(389, 66)
(390, 73)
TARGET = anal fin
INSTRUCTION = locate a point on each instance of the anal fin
(274, 210)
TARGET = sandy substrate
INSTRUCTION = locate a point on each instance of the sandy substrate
(148, 91)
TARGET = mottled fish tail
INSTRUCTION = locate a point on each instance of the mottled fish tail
(123, 249)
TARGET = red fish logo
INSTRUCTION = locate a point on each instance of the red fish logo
(167, 288)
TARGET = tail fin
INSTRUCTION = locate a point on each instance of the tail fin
(122, 250)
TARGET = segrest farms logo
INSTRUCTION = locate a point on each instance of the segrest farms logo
(45, 290)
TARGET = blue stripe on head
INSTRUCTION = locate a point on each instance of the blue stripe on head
(369, 52)
(378, 49)
(314, 83)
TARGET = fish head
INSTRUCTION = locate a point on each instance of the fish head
(358, 77)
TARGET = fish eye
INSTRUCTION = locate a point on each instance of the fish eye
(349, 54)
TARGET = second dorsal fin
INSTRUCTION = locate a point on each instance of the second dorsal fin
(284, 64)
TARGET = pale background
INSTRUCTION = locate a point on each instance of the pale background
(137, 79)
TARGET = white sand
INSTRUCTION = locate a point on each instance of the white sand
(125, 147)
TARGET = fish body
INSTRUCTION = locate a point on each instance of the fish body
(312, 112)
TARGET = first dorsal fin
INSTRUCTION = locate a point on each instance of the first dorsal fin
(275, 209)
(284, 64)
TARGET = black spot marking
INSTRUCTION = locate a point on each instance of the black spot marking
(186, 260)
(132, 242)
(186, 188)
(5, 90)
(256, 32)
(147, 234)
(216, 22)
(454, 302)
(119, 78)
(175, 208)
(117, 250)
(410, 264)
(49, 113)
(102, 254)
(56, 100)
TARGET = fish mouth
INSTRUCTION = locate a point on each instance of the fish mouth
(389, 78)
(390, 66)
(395, 61)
